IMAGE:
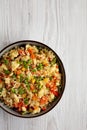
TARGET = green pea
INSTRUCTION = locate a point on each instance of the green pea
(25, 64)
(21, 90)
(14, 90)
(40, 66)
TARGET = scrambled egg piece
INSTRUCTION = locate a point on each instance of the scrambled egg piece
(7, 80)
(13, 53)
(15, 65)
(3, 67)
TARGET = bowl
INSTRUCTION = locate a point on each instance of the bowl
(62, 71)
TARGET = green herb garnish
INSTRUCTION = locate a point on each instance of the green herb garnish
(6, 71)
(24, 112)
(14, 90)
(40, 86)
(26, 80)
(14, 76)
(28, 86)
(29, 61)
(50, 77)
(21, 78)
(26, 100)
(25, 64)
(34, 70)
(38, 78)
(6, 61)
(53, 61)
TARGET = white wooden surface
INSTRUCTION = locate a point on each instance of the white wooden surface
(61, 24)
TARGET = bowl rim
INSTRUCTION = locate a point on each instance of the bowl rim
(64, 76)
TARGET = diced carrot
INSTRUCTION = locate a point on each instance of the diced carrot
(48, 85)
(35, 97)
(32, 56)
(19, 105)
(31, 53)
(54, 77)
(44, 100)
(55, 93)
(46, 64)
(32, 87)
(15, 105)
(35, 107)
(18, 72)
(21, 52)
(53, 87)
(30, 50)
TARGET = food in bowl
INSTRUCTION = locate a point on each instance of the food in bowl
(30, 78)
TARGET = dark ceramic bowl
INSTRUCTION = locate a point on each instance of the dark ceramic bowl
(62, 71)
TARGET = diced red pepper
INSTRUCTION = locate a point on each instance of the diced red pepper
(0, 81)
(43, 108)
(55, 93)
